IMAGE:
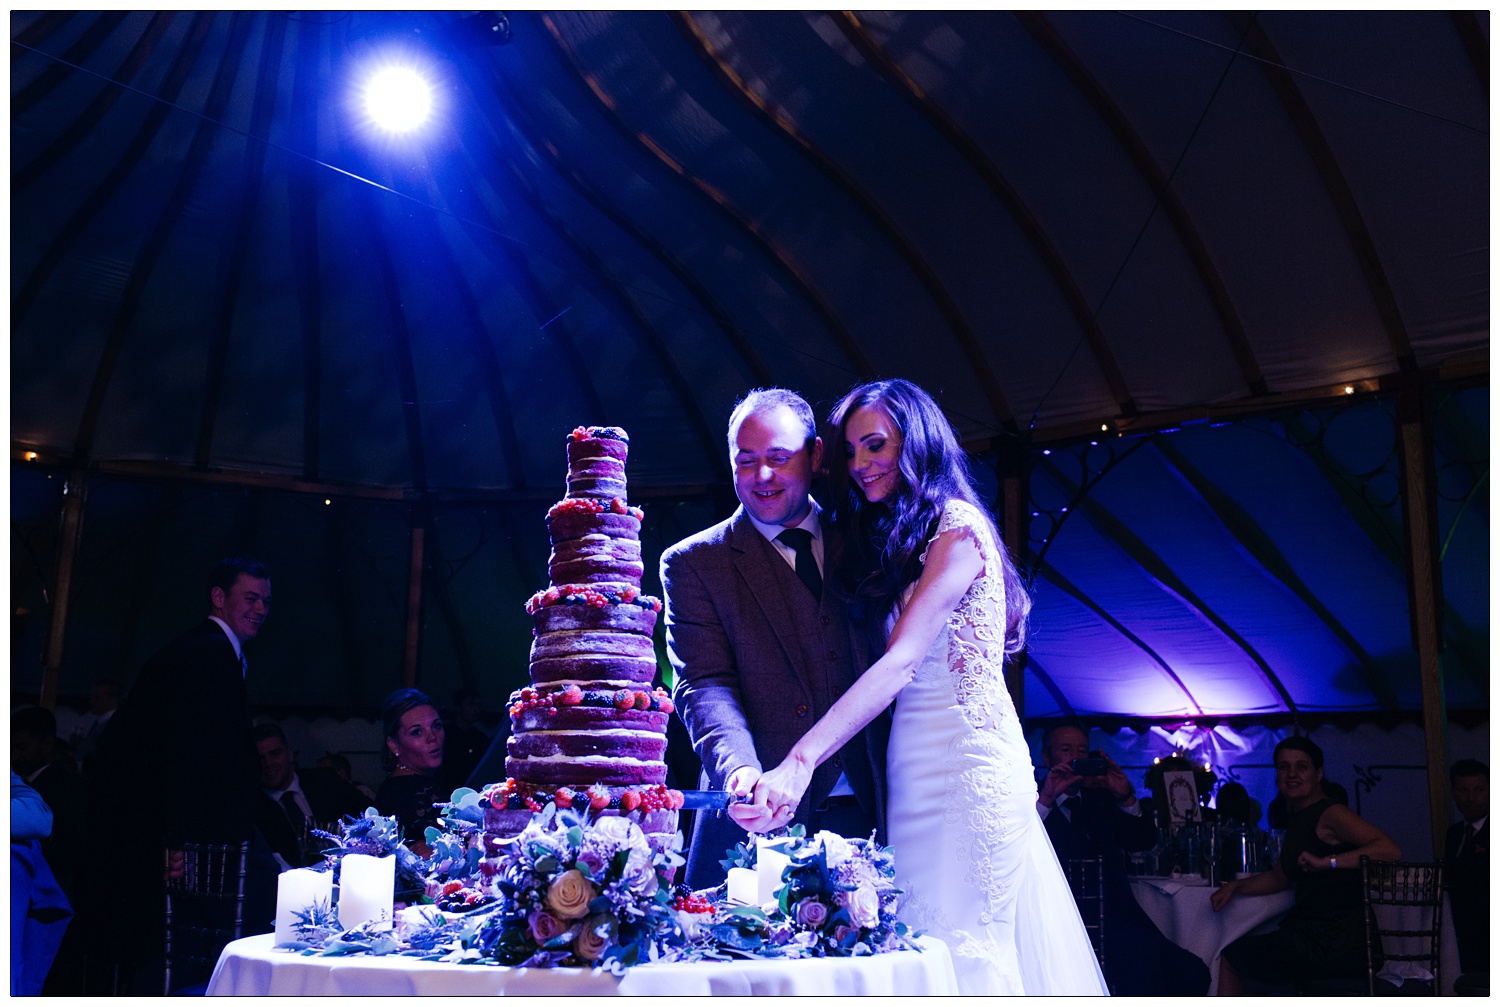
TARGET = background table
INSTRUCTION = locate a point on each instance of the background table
(249, 967)
(1180, 909)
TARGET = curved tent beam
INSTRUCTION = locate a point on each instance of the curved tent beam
(786, 266)
(616, 292)
(845, 181)
(1050, 685)
(663, 255)
(484, 356)
(83, 126)
(41, 29)
(1284, 83)
(990, 173)
(1077, 594)
(1262, 549)
(302, 210)
(238, 238)
(406, 372)
(102, 193)
(1476, 43)
(545, 309)
(1129, 139)
(60, 70)
(146, 258)
(1156, 568)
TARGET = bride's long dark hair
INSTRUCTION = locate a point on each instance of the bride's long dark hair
(877, 547)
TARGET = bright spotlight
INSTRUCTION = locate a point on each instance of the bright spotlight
(398, 99)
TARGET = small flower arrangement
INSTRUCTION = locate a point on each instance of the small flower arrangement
(839, 898)
(575, 892)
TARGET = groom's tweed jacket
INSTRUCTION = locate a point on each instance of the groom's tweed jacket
(757, 662)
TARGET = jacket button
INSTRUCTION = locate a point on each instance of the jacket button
(824, 619)
(838, 763)
(802, 711)
(833, 655)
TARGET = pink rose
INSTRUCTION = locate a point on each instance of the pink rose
(841, 931)
(544, 926)
(812, 913)
(590, 944)
(570, 894)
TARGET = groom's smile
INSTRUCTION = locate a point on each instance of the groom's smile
(773, 466)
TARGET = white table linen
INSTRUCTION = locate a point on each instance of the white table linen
(250, 967)
(1180, 909)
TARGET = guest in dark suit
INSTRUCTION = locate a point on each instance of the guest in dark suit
(176, 763)
(1466, 861)
(759, 649)
(292, 802)
(1099, 815)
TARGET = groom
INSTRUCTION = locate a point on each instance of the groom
(760, 649)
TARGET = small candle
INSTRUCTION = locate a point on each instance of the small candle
(742, 885)
(296, 891)
(367, 889)
(769, 864)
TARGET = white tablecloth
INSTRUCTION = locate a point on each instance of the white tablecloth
(1180, 909)
(249, 967)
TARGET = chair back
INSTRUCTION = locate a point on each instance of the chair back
(1404, 916)
(205, 908)
(1086, 880)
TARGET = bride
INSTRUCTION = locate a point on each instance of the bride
(921, 558)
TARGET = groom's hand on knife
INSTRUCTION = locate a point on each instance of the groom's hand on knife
(750, 817)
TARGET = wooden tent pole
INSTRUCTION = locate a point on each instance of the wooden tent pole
(414, 604)
(75, 490)
(1424, 588)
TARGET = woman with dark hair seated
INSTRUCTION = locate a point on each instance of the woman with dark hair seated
(1323, 935)
(413, 755)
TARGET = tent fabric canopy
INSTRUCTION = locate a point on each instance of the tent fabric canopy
(1180, 233)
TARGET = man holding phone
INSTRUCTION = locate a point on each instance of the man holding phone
(1089, 809)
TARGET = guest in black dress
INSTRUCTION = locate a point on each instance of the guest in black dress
(1323, 935)
(413, 757)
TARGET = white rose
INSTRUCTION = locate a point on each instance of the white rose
(864, 906)
(835, 847)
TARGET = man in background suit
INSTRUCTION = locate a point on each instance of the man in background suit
(292, 802)
(760, 649)
(1466, 861)
(176, 764)
(1099, 815)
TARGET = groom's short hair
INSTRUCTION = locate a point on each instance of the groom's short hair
(763, 400)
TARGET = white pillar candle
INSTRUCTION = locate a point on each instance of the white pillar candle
(296, 891)
(743, 886)
(769, 864)
(367, 889)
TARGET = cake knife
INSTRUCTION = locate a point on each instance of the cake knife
(710, 800)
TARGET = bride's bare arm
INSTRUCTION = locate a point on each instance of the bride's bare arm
(953, 561)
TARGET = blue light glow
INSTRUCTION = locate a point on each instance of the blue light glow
(398, 99)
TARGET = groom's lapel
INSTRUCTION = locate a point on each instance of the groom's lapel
(754, 560)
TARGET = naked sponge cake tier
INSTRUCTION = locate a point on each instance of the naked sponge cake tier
(590, 731)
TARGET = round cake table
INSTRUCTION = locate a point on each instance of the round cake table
(249, 967)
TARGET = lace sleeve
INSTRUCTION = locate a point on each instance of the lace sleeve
(965, 517)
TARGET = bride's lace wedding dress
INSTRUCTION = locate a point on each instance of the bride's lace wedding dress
(972, 855)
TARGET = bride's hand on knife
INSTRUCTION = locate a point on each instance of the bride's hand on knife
(777, 795)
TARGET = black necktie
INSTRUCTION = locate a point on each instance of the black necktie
(800, 539)
(1467, 844)
(294, 811)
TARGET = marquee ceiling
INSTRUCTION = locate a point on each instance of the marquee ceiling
(1062, 224)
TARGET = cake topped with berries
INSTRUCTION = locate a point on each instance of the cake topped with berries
(591, 730)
